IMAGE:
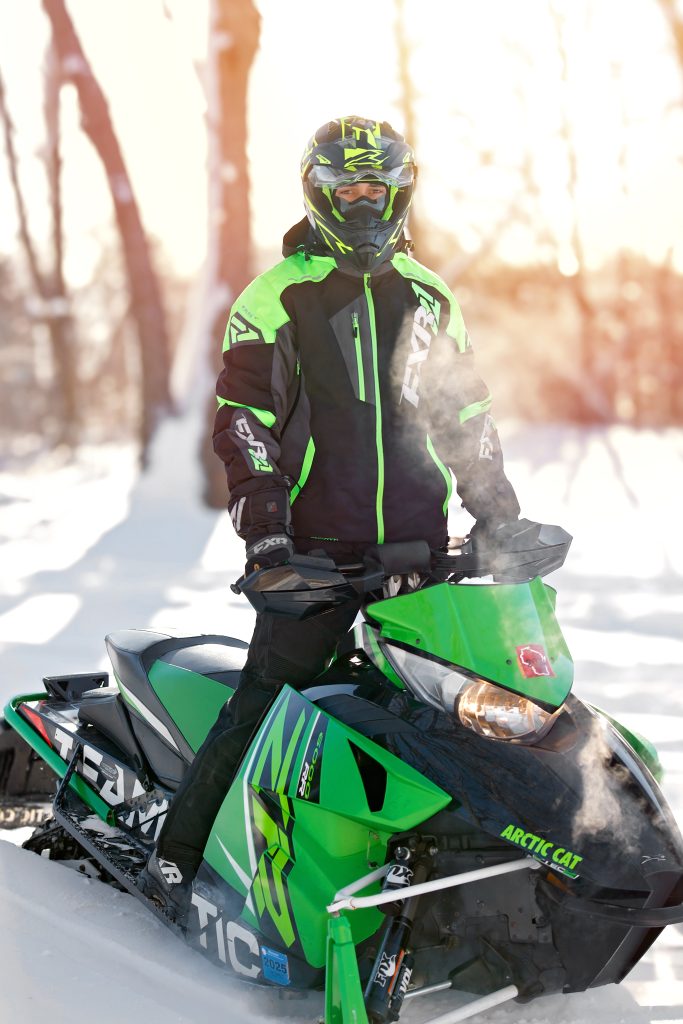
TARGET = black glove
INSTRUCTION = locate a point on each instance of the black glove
(273, 549)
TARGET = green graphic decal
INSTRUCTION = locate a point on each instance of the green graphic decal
(545, 850)
(273, 766)
(273, 820)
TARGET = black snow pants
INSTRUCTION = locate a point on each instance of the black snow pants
(282, 650)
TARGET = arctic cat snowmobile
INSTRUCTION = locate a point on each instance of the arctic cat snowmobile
(436, 811)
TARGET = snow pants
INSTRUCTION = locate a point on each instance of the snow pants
(282, 650)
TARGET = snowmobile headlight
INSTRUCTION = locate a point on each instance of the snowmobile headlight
(483, 707)
(489, 710)
(431, 681)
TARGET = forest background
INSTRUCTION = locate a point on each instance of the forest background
(149, 167)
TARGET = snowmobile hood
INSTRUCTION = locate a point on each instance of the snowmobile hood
(506, 633)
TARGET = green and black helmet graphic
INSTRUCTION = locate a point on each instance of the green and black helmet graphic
(367, 230)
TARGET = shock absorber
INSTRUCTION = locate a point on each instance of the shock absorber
(390, 975)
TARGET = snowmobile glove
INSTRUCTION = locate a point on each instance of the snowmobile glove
(273, 549)
(260, 513)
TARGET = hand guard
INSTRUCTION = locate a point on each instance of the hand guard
(273, 549)
(488, 534)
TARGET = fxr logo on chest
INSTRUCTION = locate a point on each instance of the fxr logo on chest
(426, 316)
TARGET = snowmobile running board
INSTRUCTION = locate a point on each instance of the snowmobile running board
(66, 817)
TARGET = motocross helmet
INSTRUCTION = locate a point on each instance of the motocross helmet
(362, 233)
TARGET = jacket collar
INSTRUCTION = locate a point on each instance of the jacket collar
(302, 238)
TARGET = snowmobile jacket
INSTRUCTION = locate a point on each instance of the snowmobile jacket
(346, 398)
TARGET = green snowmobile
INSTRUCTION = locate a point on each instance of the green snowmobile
(436, 811)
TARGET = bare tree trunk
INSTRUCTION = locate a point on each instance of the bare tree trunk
(674, 17)
(233, 41)
(146, 305)
(671, 333)
(590, 402)
(407, 101)
(51, 306)
(62, 327)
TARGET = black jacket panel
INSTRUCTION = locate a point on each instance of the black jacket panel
(355, 393)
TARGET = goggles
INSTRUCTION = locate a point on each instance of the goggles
(328, 177)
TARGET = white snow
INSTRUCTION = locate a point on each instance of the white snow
(90, 547)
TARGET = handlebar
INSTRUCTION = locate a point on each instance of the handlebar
(307, 583)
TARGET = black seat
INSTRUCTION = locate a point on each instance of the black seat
(133, 652)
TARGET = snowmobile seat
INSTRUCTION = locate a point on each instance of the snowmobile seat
(132, 653)
(107, 713)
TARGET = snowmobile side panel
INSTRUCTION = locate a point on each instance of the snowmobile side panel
(192, 700)
(305, 835)
(646, 751)
(51, 757)
(470, 626)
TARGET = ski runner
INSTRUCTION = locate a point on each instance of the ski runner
(348, 392)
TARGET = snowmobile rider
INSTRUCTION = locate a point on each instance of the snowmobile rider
(348, 392)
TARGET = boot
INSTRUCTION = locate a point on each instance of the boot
(168, 885)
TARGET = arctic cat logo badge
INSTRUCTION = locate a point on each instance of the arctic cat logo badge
(533, 661)
(557, 856)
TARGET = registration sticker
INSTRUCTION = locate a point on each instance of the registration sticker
(275, 966)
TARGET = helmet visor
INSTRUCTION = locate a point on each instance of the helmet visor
(329, 177)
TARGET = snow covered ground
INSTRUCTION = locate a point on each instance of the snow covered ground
(90, 547)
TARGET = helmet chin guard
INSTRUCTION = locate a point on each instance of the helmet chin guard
(365, 232)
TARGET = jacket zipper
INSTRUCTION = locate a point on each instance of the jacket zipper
(359, 357)
(378, 411)
(296, 398)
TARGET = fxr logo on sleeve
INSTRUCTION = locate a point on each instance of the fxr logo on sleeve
(256, 449)
(486, 440)
(426, 315)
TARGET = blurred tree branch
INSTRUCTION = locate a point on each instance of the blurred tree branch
(234, 28)
(50, 304)
(146, 304)
(407, 102)
(24, 234)
(589, 391)
(674, 18)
